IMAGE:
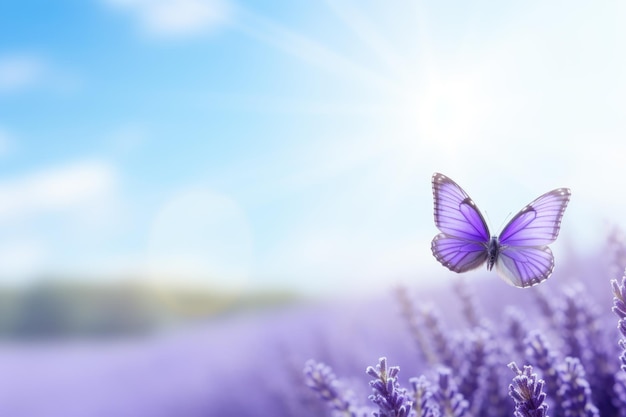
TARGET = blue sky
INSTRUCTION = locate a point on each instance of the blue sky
(282, 144)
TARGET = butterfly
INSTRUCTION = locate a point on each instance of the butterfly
(519, 253)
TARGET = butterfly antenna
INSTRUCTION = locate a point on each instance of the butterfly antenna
(489, 222)
(506, 219)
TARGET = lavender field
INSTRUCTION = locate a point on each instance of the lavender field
(551, 350)
(472, 346)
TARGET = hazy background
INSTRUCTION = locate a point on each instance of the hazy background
(212, 153)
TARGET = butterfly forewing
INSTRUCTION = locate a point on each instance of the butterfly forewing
(539, 222)
(458, 255)
(456, 215)
(525, 266)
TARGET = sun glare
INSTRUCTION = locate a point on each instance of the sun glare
(449, 112)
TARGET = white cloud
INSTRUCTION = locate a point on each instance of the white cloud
(21, 257)
(55, 218)
(174, 18)
(62, 188)
(20, 72)
(25, 71)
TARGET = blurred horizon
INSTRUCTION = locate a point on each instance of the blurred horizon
(246, 146)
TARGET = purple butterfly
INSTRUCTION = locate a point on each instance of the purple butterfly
(520, 253)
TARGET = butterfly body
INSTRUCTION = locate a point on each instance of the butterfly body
(519, 253)
(493, 250)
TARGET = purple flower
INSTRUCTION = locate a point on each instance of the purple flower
(616, 248)
(575, 391)
(571, 324)
(321, 379)
(450, 401)
(516, 329)
(546, 305)
(619, 389)
(619, 299)
(489, 398)
(469, 303)
(527, 392)
(440, 340)
(576, 376)
(477, 349)
(392, 401)
(408, 312)
(422, 398)
(539, 353)
(619, 308)
(599, 354)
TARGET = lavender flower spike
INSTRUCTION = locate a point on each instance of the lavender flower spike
(619, 390)
(527, 392)
(422, 394)
(451, 402)
(516, 329)
(539, 353)
(408, 311)
(619, 298)
(619, 308)
(440, 340)
(320, 378)
(471, 311)
(575, 390)
(392, 401)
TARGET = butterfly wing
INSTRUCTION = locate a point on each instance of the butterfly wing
(458, 255)
(455, 213)
(463, 244)
(523, 259)
(538, 223)
(525, 266)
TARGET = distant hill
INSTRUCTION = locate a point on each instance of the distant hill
(64, 308)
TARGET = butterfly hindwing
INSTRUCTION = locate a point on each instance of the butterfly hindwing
(538, 223)
(525, 266)
(458, 255)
